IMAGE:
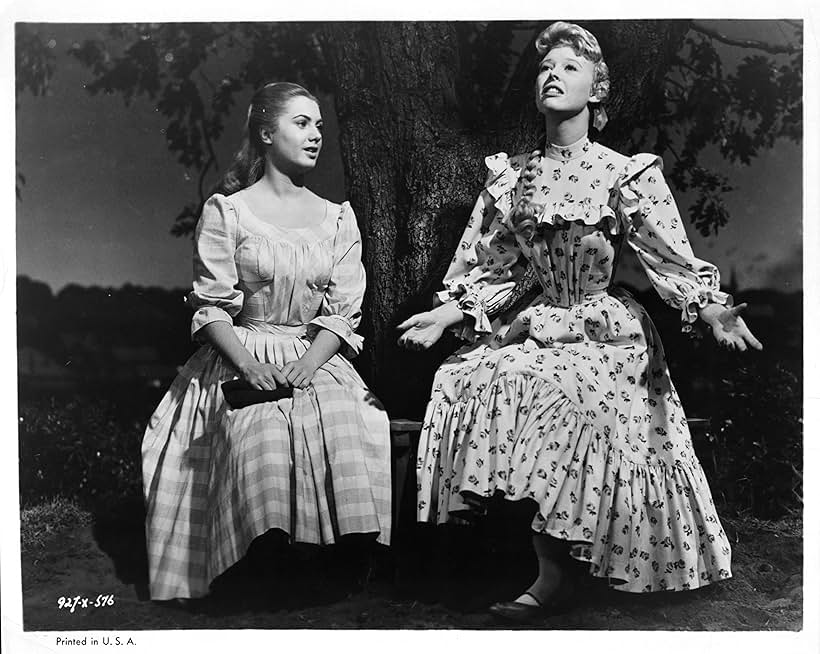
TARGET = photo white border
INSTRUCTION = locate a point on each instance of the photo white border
(14, 640)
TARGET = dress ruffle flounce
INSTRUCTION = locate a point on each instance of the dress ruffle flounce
(616, 510)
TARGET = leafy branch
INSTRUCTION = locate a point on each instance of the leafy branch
(771, 48)
(739, 113)
(696, 104)
(34, 67)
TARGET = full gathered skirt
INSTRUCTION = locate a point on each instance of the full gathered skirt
(316, 466)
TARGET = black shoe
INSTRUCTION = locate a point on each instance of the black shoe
(559, 602)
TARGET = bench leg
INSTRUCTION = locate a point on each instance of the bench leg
(402, 446)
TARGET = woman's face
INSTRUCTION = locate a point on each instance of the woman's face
(297, 141)
(564, 82)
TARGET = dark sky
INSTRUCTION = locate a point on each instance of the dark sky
(102, 190)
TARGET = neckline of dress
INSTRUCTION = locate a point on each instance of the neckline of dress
(568, 152)
(317, 227)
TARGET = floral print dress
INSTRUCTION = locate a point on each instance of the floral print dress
(569, 402)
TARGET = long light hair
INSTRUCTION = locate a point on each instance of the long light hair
(267, 105)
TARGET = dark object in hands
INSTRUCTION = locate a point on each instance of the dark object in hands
(239, 394)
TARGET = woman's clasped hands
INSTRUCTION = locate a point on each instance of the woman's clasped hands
(267, 376)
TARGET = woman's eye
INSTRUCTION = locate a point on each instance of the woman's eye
(571, 67)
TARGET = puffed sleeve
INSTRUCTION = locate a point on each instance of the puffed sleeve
(341, 309)
(655, 232)
(487, 264)
(215, 296)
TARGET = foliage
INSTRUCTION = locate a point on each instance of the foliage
(34, 68)
(182, 68)
(753, 454)
(738, 113)
(84, 447)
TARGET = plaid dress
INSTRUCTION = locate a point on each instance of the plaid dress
(316, 466)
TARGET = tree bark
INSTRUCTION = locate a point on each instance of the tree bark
(414, 167)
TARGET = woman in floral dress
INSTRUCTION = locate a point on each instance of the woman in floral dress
(569, 402)
(278, 285)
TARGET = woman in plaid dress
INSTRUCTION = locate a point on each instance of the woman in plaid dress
(568, 403)
(277, 291)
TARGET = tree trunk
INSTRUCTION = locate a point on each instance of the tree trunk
(414, 167)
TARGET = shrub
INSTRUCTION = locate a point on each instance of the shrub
(753, 455)
(83, 447)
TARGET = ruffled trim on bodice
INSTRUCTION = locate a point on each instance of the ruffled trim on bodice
(503, 187)
(632, 203)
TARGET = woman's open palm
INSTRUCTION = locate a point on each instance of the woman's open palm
(731, 331)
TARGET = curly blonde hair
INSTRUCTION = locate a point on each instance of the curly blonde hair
(584, 44)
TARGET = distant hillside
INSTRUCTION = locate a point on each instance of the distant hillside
(102, 333)
(138, 333)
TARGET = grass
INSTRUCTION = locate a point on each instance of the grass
(41, 523)
(442, 581)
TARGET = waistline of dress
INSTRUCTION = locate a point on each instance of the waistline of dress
(585, 298)
(296, 331)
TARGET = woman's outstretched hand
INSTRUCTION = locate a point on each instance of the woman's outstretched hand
(728, 327)
(262, 376)
(421, 331)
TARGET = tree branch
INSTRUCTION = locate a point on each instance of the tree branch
(211, 161)
(771, 48)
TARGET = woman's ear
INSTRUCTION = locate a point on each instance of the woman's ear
(265, 135)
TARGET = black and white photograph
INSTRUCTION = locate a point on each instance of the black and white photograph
(469, 324)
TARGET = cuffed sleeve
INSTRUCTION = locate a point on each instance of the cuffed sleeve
(215, 296)
(656, 233)
(486, 266)
(341, 309)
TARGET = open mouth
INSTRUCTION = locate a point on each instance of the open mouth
(311, 150)
(551, 91)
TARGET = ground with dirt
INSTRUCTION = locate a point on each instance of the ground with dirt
(432, 579)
